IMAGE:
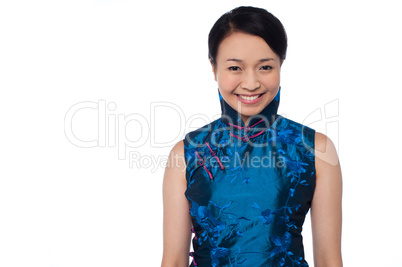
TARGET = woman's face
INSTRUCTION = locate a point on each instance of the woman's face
(247, 72)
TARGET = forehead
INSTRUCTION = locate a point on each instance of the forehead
(244, 46)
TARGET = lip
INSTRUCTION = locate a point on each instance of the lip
(244, 101)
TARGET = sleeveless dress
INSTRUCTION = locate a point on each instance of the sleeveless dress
(249, 189)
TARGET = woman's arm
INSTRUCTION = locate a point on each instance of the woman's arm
(176, 218)
(326, 206)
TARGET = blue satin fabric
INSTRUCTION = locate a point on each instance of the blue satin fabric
(249, 189)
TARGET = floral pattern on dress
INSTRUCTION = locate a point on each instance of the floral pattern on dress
(245, 215)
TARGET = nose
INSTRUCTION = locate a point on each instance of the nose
(250, 81)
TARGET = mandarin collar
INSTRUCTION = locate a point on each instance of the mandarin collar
(263, 120)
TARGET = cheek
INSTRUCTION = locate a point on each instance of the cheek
(271, 81)
(228, 82)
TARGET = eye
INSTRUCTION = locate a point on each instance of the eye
(266, 67)
(234, 68)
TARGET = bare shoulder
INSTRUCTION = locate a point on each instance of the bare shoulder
(178, 148)
(176, 165)
(176, 157)
(325, 151)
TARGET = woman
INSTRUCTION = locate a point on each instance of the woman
(244, 182)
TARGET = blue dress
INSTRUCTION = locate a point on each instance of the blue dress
(249, 189)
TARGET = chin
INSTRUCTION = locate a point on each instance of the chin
(251, 112)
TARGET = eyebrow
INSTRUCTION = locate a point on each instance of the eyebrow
(239, 60)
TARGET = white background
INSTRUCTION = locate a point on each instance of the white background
(65, 205)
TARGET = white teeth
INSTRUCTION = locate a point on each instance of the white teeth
(249, 98)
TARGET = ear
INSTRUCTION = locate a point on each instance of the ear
(213, 69)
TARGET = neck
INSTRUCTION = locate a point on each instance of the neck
(245, 119)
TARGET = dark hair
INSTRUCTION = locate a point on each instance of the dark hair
(252, 20)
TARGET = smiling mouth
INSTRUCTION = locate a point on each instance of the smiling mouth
(249, 97)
